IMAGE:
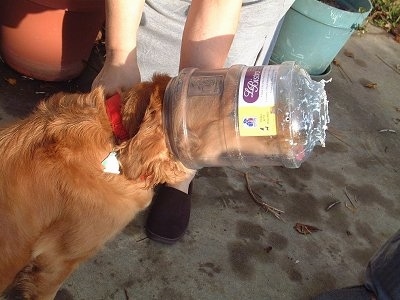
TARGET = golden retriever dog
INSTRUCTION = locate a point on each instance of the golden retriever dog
(57, 205)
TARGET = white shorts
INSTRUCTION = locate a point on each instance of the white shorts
(160, 34)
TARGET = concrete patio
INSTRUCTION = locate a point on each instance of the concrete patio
(234, 249)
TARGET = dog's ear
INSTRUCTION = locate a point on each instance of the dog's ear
(137, 101)
(146, 155)
(147, 158)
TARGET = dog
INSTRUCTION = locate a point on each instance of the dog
(58, 205)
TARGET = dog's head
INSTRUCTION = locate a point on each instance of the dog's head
(146, 154)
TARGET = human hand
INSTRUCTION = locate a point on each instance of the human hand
(119, 73)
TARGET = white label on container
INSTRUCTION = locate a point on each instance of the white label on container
(256, 101)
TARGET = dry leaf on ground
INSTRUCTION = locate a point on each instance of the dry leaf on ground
(348, 53)
(11, 81)
(305, 229)
(371, 85)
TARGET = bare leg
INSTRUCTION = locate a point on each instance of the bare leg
(183, 186)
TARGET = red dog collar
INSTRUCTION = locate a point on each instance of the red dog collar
(113, 109)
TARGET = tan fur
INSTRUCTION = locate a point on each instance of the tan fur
(57, 206)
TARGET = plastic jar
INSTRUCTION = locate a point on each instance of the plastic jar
(245, 116)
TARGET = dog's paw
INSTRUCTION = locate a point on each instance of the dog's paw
(63, 294)
(13, 294)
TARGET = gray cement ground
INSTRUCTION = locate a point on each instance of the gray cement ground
(233, 249)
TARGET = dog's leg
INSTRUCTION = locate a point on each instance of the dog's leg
(41, 279)
(53, 260)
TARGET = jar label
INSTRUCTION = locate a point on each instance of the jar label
(256, 101)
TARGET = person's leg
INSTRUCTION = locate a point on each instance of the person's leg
(382, 276)
(359, 292)
(383, 270)
(159, 40)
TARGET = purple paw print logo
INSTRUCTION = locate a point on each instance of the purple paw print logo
(250, 122)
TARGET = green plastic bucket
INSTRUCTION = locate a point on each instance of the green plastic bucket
(313, 32)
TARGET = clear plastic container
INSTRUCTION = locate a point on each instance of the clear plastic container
(245, 116)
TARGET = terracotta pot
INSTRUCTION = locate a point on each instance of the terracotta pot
(49, 39)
